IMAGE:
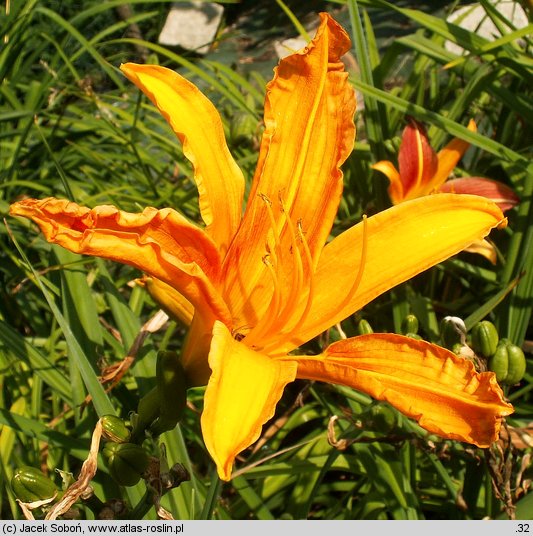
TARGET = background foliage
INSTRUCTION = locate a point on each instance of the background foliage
(71, 126)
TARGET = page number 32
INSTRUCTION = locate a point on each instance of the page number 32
(522, 527)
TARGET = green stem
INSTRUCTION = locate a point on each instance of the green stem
(212, 497)
(142, 507)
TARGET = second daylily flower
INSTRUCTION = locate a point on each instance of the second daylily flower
(422, 171)
(260, 284)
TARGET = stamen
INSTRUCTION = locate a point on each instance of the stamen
(273, 347)
(281, 308)
(273, 225)
(285, 313)
(272, 311)
(267, 320)
(348, 297)
(310, 294)
(311, 275)
(297, 281)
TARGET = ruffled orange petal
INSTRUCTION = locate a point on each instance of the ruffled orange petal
(159, 242)
(496, 191)
(430, 384)
(417, 161)
(241, 396)
(197, 124)
(309, 133)
(448, 158)
(401, 242)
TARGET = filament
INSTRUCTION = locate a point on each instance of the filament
(272, 310)
(273, 225)
(310, 294)
(297, 276)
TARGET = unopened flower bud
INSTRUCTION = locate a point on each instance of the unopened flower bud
(393, 145)
(169, 299)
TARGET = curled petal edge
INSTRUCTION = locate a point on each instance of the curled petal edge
(430, 384)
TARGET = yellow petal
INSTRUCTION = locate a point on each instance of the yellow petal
(442, 391)
(401, 242)
(170, 300)
(195, 350)
(241, 396)
(197, 124)
(159, 242)
(396, 187)
(485, 249)
(309, 133)
(448, 158)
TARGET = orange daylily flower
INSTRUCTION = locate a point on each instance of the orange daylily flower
(422, 171)
(261, 283)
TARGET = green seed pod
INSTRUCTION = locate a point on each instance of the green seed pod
(517, 364)
(126, 462)
(409, 324)
(364, 327)
(452, 331)
(30, 485)
(499, 363)
(114, 429)
(508, 363)
(484, 338)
